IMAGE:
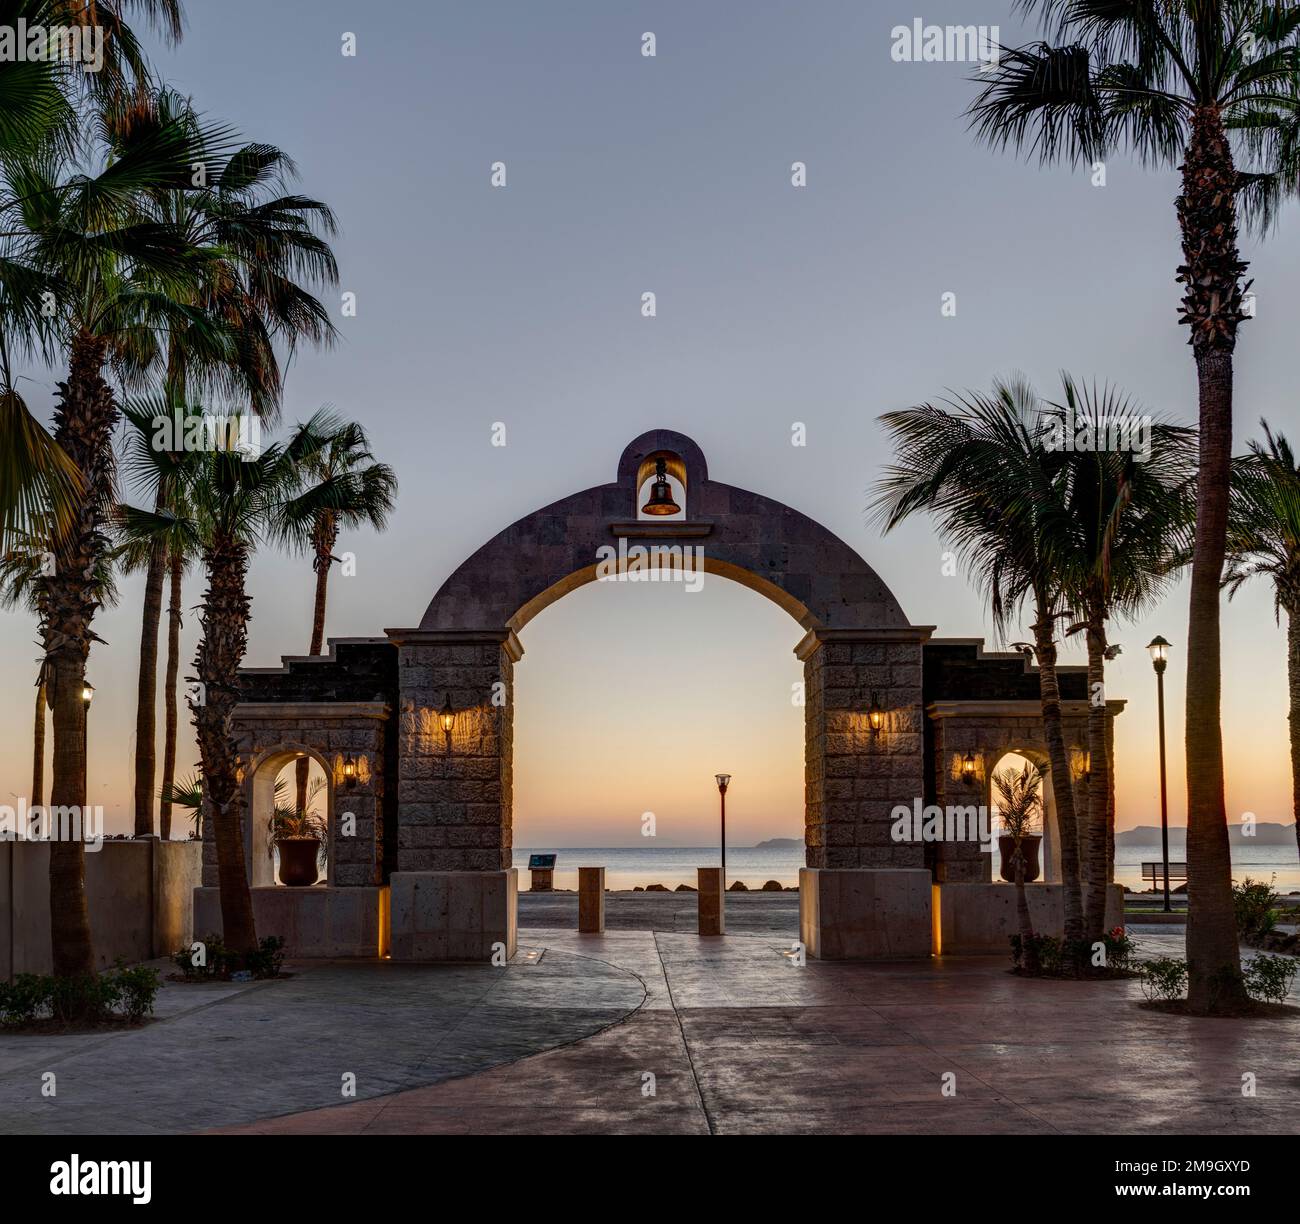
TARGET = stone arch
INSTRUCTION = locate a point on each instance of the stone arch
(858, 650)
(776, 550)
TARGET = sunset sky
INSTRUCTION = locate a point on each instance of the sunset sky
(775, 305)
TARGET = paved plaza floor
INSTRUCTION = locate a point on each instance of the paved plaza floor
(643, 1031)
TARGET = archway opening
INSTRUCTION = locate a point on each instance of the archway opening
(1006, 775)
(630, 697)
(276, 818)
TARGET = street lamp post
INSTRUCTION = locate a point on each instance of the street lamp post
(723, 780)
(1159, 649)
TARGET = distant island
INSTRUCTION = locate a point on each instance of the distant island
(780, 843)
(1267, 833)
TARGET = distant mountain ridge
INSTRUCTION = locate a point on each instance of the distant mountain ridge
(779, 843)
(1267, 833)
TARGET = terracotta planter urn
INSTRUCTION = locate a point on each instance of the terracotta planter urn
(298, 861)
(1029, 845)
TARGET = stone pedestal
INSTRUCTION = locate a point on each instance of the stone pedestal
(591, 900)
(712, 901)
(454, 915)
(865, 914)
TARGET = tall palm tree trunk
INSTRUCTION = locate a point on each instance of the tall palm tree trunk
(1098, 877)
(221, 650)
(176, 565)
(1028, 947)
(324, 537)
(1067, 826)
(147, 689)
(85, 416)
(38, 745)
(1212, 308)
(1293, 716)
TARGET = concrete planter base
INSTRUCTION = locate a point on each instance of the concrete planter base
(454, 915)
(979, 919)
(865, 913)
(322, 921)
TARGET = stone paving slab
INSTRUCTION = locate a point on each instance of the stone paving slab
(225, 1055)
(740, 1041)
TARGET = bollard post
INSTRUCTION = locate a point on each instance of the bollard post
(712, 901)
(591, 900)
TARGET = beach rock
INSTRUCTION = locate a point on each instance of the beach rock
(656, 888)
(685, 888)
(773, 886)
(738, 886)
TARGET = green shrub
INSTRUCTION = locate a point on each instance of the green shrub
(1164, 979)
(1047, 948)
(1119, 948)
(24, 999)
(1255, 906)
(137, 988)
(268, 959)
(83, 997)
(1269, 977)
(221, 962)
(218, 960)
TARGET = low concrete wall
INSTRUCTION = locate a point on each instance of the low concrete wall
(137, 894)
(318, 921)
(979, 919)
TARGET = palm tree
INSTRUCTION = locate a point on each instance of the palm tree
(20, 574)
(1129, 513)
(1020, 810)
(1212, 86)
(364, 490)
(177, 562)
(1264, 541)
(39, 483)
(232, 501)
(270, 251)
(22, 570)
(119, 279)
(983, 466)
(143, 415)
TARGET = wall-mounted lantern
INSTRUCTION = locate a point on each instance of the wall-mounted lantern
(447, 718)
(875, 715)
(968, 767)
(350, 772)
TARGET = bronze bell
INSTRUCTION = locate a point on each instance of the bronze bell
(661, 494)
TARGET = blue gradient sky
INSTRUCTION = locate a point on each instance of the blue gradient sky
(775, 305)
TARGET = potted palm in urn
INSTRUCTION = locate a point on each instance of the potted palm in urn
(299, 836)
(1020, 809)
(1020, 813)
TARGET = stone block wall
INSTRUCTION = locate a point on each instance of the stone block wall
(455, 791)
(854, 777)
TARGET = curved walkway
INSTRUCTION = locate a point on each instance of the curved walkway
(222, 1054)
(738, 1039)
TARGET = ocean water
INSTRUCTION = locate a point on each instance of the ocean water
(629, 866)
